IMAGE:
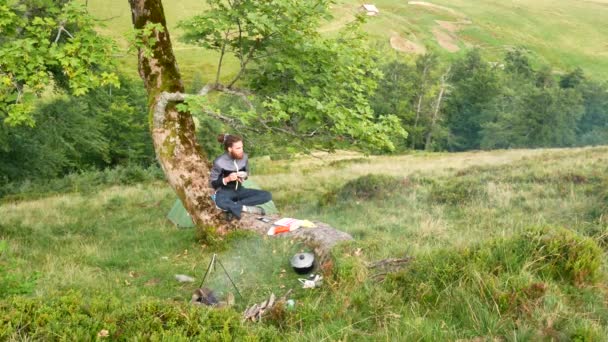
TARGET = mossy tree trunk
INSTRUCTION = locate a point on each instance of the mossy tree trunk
(185, 165)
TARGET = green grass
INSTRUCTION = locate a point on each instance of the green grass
(562, 33)
(506, 244)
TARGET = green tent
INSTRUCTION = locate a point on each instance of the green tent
(180, 217)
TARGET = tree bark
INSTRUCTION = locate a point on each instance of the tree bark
(184, 163)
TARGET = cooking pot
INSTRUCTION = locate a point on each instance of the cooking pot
(303, 263)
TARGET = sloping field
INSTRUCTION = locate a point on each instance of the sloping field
(563, 33)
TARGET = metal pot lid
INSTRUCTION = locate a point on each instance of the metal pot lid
(302, 260)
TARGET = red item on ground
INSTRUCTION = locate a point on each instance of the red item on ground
(281, 229)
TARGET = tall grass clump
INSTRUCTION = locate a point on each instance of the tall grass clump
(364, 188)
(488, 287)
(548, 253)
(456, 191)
(11, 281)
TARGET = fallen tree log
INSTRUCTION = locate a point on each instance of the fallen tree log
(320, 239)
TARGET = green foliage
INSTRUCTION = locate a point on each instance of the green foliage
(122, 117)
(531, 110)
(515, 105)
(321, 86)
(592, 128)
(535, 118)
(475, 83)
(145, 38)
(410, 91)
(78, 316)
(312, 91)
(246, 28)
(105, 128)
(45, 45)
(65, 137)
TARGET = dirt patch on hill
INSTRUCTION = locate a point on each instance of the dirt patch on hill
(446, 33)
(446, 40)
(401, 44)
(453, 26)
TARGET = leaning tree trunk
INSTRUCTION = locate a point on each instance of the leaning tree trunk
(185, 165)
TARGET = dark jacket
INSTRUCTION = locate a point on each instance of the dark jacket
(225, 165)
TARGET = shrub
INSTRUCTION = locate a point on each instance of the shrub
(562, 254)
(456, 191)
(370, 187)
(75, 316)
(558, 254)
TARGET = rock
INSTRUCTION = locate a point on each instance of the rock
(182, 278)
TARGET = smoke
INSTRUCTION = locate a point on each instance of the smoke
(256, 265)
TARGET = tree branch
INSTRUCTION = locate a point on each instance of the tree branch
(161, 105)
(231, 91)
(244, 63)
(107, 19)
(62, 29)
(222, 52)
(289, 132)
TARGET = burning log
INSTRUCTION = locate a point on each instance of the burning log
(205, 296)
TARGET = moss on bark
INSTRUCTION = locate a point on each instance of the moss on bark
(175, 141)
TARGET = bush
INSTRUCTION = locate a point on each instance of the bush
(370, 187)
(557, 254)
(75, 316)
(456, 191)
(562, 254)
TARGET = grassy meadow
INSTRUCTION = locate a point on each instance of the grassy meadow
(506, 245)
(562, 33)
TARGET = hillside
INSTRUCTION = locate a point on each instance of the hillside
(506, 245)
(563, 33)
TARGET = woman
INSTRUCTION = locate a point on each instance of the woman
(227, 175)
